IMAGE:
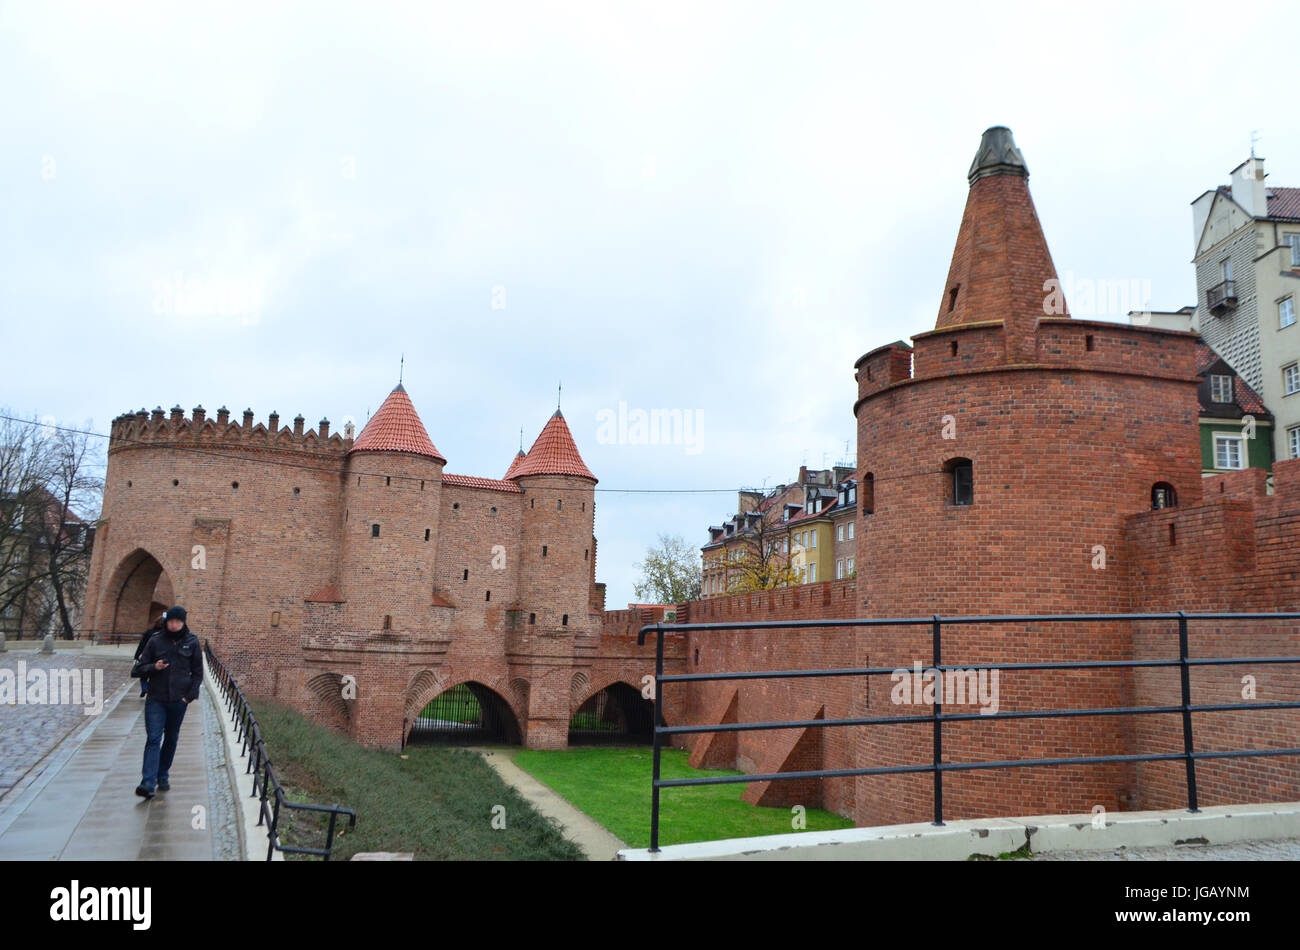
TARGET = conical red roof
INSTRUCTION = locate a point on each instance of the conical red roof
(1001, 264)
(396, 427)
(554, 453)
(514, 463)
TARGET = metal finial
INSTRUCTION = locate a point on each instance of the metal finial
(558, 390)
(1254, 137)
(521, 438)
(401, 369)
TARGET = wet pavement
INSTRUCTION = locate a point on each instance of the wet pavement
(77, 801)
(29, 730)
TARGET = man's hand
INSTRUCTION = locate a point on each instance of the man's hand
(160, 665)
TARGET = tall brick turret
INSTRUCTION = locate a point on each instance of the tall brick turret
(1001, 269)
(392, 500)
(1004, 460)
(554, 575)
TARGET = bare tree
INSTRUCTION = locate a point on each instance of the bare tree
(46, 486)
(763, 562)
(24, 471)
(74, 496)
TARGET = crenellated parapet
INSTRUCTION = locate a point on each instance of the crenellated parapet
(140, 429)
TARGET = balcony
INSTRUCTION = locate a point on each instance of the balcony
(1221, 298)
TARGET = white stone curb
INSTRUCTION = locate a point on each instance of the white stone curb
(958, 840)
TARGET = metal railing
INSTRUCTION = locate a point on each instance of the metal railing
(265, 784)
(937, 718)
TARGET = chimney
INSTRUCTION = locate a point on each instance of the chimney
(298, 421)
(248, 418)
(178, 414)
(324, 429)
(803, 474)
(349, 430)
(1248, 187)
(223, 416)
(199, 415)
(273, 422)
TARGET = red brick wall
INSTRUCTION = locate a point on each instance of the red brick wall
(1238, 552)
(1059, 455)
(758, 700)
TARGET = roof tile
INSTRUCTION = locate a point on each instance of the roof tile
(554, 453)
(396, 427)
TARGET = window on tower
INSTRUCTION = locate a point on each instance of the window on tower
(1163, 496)
(960, 481)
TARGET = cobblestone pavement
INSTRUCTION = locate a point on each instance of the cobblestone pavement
(225, 812)
(1284, 850)
(29, 731)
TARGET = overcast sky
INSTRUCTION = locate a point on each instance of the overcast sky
(706, 207)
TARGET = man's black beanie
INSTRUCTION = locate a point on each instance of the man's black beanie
(176, 613)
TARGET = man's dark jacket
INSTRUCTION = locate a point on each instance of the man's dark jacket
(184, 672)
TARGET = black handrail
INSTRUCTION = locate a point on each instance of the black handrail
(249, 733)
(937, 717)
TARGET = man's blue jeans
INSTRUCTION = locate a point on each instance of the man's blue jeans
(162, 723)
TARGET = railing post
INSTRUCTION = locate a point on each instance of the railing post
(275, 822)
(938, 723)
(1184, 675)
(329, 837)
(659, 721)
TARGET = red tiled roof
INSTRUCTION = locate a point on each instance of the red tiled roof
(489, 484)
(554, 453)
(1246, 398)
(514, 463)
(396, 427)
(1284, 203)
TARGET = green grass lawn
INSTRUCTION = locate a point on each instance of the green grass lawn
(437, 802)
(612, 786)
(456, 704)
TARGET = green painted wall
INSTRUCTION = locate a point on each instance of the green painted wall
(1259, 450)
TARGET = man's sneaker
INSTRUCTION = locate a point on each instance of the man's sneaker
(164, 786)
(144, 792)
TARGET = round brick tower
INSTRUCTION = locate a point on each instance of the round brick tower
(555, 559)
(392, 484)
(998, 458)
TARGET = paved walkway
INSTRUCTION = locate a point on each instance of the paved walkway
(592, 838)
(78, 801)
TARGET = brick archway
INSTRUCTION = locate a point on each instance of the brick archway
(589, 690)
(493, 693)
(138, 586)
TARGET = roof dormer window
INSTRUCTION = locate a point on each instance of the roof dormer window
(1221, 388)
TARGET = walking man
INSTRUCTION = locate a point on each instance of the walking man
(172, 662)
